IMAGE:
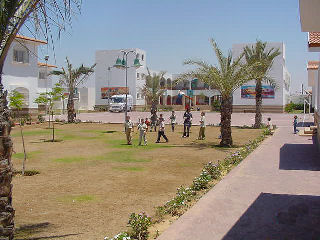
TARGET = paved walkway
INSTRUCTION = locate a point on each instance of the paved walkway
(273, 194)
(238, 119)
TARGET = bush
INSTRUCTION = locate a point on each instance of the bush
(202, 181)
(119, 236)
(290, 107)
(41, 119)
(213, 169)
(183, 196)
(139, 224)
(216, 106)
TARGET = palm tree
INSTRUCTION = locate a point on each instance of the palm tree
(226, 77)
(47, 16)
(71, 79)
(153, 91)
(261, 61)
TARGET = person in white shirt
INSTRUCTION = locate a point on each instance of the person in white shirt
(161, 129)
(269, 124)
(128, 126)
(142, 127)
(202, 130)
(173, 120)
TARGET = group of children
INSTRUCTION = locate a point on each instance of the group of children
(144, 125)
(295, 124)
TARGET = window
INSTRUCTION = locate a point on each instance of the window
(142, 57)
(42, 75)
(138, 95)
(20, 56)
(138, 75)
(143, 75)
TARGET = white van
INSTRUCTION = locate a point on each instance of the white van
(117, 103)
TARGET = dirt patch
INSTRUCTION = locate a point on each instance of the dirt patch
(91, 181)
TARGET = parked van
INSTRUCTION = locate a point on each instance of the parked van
(117, 103)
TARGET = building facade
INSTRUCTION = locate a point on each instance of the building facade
(274, 99)
(110, 81)
(310, 22)
(23, 73)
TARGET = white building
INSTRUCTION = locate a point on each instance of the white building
(22, 71)
(110, 81)
(274, 100)
(310, 22)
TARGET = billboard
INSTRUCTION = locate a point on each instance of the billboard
(107, 92)
(249, 92)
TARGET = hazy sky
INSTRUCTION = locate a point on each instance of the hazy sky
(173, 30)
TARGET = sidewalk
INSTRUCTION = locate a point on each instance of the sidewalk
(273, 194)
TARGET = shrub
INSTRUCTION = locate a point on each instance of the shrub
(216, 105)
(202, 181)
(213, 169)
(139, 224)
(119, 236)
(41, 119)
(183, 196)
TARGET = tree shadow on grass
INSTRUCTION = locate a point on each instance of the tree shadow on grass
(25, 231)
(206, 145)
(109, 131)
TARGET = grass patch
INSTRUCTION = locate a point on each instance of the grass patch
(77, 198)
(122, 143)
(30, 155)
(70, 159)
(130, 169)
(35, 132)
(123, 157)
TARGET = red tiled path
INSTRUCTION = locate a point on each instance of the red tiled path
(273, 194)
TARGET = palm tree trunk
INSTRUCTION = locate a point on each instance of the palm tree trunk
(258, 117)
(226, 111)
(6, 209)
(70, 108)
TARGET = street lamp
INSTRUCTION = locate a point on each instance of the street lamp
(46, 58)
(123, 64)
(108, 82)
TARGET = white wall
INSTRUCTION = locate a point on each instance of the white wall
(278, 72)
(116, 77)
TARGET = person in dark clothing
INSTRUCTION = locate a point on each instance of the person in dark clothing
(187, 123)
(161, 130)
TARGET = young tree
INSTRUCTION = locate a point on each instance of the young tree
(71, 79)
(48, 99)
(152, 91)
(16, 102)
(226, 77)
(44, 17)
(261, 61)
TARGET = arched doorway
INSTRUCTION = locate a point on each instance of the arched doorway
(25, 93)
(168, 100)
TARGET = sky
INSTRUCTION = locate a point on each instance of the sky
(171, 31)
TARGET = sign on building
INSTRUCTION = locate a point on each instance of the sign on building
(249, 92)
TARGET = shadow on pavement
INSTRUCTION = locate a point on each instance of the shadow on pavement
(305, 124)
(299, 157)
(279, 216)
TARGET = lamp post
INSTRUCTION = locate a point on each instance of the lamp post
(46, 58)
(108, 81)
(123, 64)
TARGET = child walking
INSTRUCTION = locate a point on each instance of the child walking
(202, 130)
(161, 130)
(173, 120)
(154, 120)
(147, 122)
(142, 127)
(295, 123)
(269, 124)
(128, 126)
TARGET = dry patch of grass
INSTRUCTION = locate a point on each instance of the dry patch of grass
(94, 167)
